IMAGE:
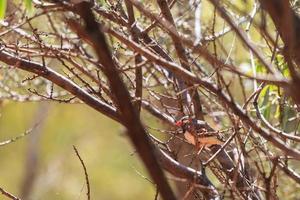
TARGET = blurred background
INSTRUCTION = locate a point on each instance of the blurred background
(113, 168)
(43, 164)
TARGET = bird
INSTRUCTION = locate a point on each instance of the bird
(198, 132)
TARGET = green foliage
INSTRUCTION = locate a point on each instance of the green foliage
(265, 104)
(260, 68)
(3, 5)
(28, 4)
(268, 102)
(277, 108)
(2, 8)
(282, 65)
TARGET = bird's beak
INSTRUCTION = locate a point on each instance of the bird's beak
(178, 123)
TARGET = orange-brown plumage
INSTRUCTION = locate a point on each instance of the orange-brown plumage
(198, 133)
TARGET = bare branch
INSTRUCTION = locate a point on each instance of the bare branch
(88, 193)
(129, 117)
(8, 195)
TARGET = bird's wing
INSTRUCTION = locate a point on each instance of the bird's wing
(210, 140)
(205, 140)
(190, 138)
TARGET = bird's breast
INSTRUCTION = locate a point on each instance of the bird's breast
(190, 138)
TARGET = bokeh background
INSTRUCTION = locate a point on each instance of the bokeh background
(113, 167)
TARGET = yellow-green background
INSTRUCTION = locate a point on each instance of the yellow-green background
(107, 153)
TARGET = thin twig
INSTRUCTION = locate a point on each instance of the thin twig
(220, 149)
(8, 195)
(88, 193)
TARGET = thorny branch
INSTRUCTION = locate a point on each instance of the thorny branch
(88, 193)
(8, 195)
(136, 131)
(150, 63)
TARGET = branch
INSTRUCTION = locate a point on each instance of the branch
(163, 4)
(287, 23)
(2, 143)
(198, 48)
(242, 35)
(268, 125)
(136, 132)
(51, 75)
(88, 193)
(138, 58)
(188, 173)
(191, 78)
(61, 81)
(8, 195)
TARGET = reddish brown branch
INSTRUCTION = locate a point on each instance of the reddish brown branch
(197, 107)
(244, 37)
(61, 81)
(8, 195)
(138, 59)
(188, 173)
(191, 78)
(287, 23)
(88, 193)
(68, 85)
(136, 131)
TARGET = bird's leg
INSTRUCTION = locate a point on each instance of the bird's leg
(198, 145)
(201, 147)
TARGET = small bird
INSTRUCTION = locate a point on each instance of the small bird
(198, 133)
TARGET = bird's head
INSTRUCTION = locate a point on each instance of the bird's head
(183, 123)
(188, 123)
